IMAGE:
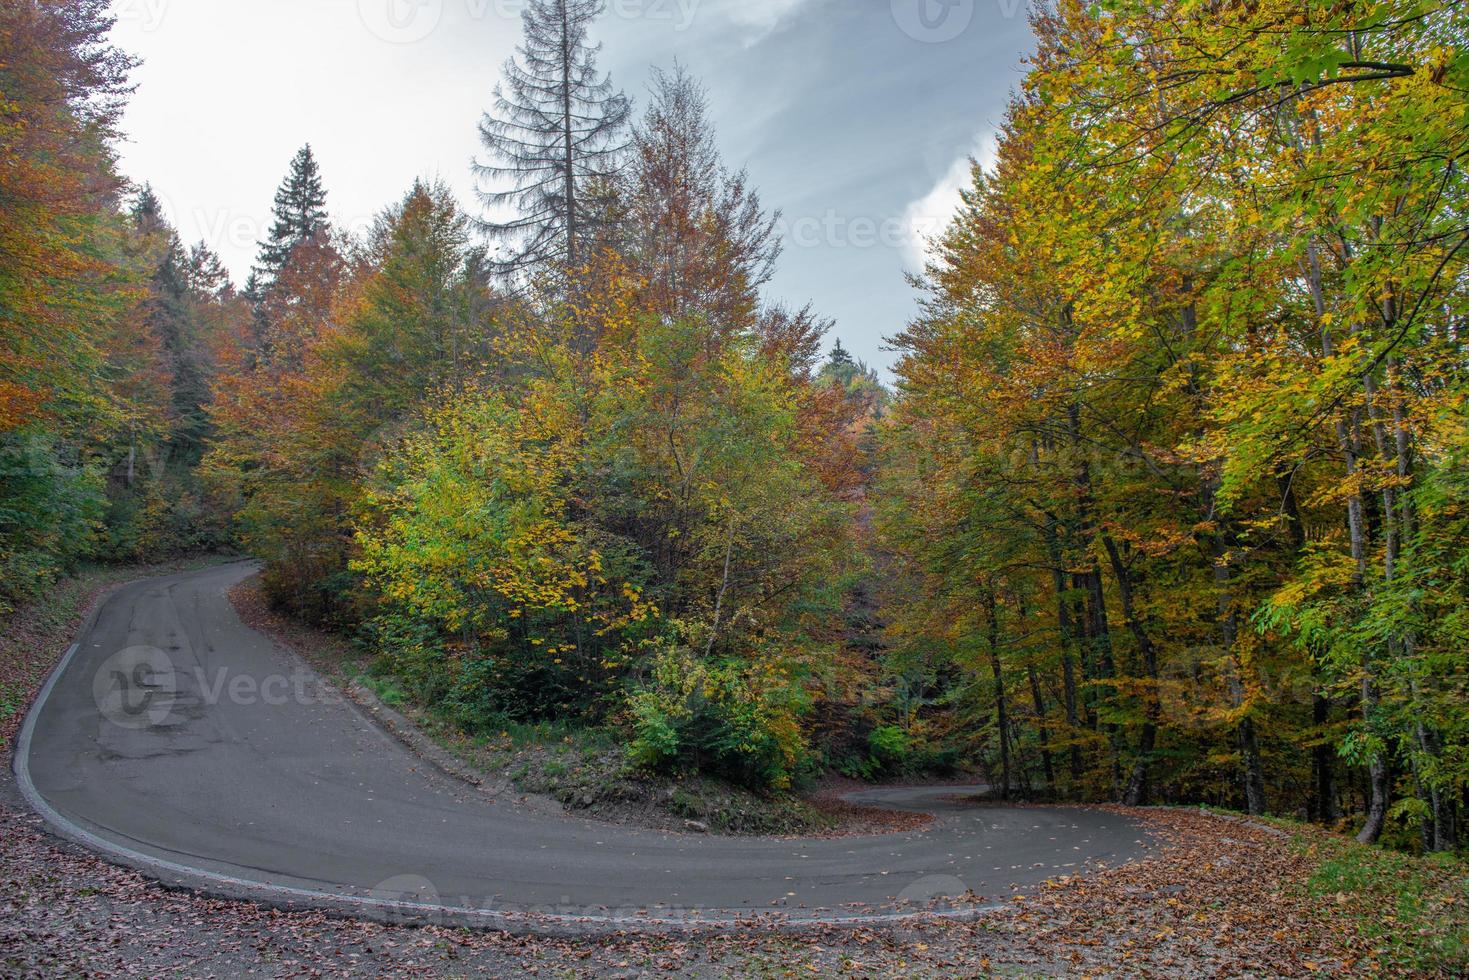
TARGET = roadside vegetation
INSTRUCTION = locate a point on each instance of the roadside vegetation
(587, 770)
(1168, 503)
(590, 771)
(1413, 911)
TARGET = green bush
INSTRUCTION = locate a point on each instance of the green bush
(889, 743)
(481, 687)
(728, 718)
(411, 652)
(893, 752)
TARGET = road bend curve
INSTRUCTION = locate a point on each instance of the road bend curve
(174, 739)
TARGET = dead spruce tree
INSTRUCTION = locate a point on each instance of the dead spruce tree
(552, 139)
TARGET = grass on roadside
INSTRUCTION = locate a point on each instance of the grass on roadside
(1413, 912)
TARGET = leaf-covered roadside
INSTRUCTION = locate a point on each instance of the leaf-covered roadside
(1229, 897)
(1223, 898)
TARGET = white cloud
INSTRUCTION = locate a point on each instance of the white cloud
(928, 216)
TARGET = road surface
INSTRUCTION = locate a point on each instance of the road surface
(175, 739)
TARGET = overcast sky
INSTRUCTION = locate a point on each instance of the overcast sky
(853, 117)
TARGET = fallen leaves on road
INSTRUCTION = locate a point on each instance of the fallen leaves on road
(1221, 898)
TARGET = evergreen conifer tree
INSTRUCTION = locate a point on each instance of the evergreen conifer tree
(300, 213)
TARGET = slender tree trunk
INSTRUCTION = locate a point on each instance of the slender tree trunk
(1097, 631)
(1042, 722)
(1252, 774)
(1002, 716)
(567, 163)
(1068, 667)
(1443, 835)
(1349, 443)
(1136, 793)
(1022, 765)
(1047, 764)
(1445, 828)
(723, 587)
(1323, 807)
(1377, 777)
(1326, 809)
(1254, 780)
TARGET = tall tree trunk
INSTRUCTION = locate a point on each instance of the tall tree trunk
(1443, 833)
(1321, 756)
(1047, 765)
(1349, 442)
(568, 159)
(1251, 773)
(723, 587)
(1445, 829)
(1002, 715)
(1042, 722)
(1068, 666)
(1136, 793)
(1377, 777)
(1323, 806)
(1096, 661)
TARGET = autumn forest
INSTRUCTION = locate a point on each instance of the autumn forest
(1165, 501)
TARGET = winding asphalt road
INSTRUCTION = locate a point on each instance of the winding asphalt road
(177, 740)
